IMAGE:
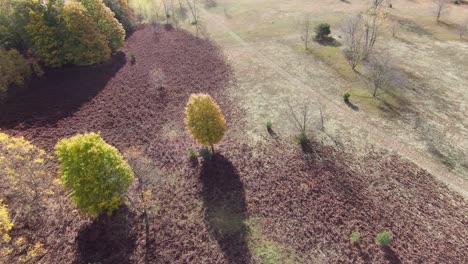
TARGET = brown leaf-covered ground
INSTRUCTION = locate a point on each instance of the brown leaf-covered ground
(270, 202)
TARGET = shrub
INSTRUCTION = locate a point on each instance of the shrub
(14, 69)
(192, 153)
(106, 22)
(205, 154)
(5, 223)
(302, 139)
(322, 30)
(269, 125)
(384, 238)
(204, 120)
(132, 58)
(346, 96)
(355, 237)
(94, 172)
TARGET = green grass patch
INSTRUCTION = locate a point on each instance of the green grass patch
(225, 221)
(266, 250)
(384, 102)
(333, 57)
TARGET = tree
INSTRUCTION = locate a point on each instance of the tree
(106, 22)
(377, 4)
(440, 7)
(353, 37)
(204, 120)
(306, 31)
(380, 71)
(95, 173)
(83, 44)
(463, 28)
(14, 69)
(46, 32)
(360, 34)
(122, 12)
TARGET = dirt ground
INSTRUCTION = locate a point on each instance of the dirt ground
(261, 199)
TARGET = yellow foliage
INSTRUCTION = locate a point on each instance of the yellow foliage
(204, 119)
(14, 69)
(5, 223)
(23, 165)
(36, 251)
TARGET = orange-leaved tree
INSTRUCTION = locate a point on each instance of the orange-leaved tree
(204, 120)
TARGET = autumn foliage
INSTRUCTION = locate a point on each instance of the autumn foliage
(95, 173)
(204, 120)
(77, 32)
(24, 178)
(14, 70)
(5, 223)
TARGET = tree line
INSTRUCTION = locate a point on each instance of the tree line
(54, 33)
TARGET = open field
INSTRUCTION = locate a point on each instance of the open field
(398, 162)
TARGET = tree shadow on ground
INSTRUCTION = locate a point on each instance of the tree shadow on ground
(352, 106)
(391, 256)
(225, 208)
(108, 239)
(328, 41)
(57, 94)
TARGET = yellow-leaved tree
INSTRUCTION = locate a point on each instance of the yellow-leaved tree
(95, 172)
(204, 120)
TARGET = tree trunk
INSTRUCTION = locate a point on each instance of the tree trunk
(212, 149)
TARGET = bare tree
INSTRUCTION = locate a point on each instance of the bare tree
(306, 31)
(380, 71)
(300, 122)
(166, 10)
(174, 16)
(371, 32)
(463, 28)
(141, 199)
(394, 27)
(360, 34)
(377, 4)
(440, 7)
(193, 9)
(353, 37)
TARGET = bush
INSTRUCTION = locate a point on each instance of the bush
(132, 58)
(346, 96)
(14, 69)
(204, 120)
(106, 22)
(269, 125)
(384, 238)
(192, 153)
(302, 139)
(94, 171)
(322, 30)
(355, 237)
